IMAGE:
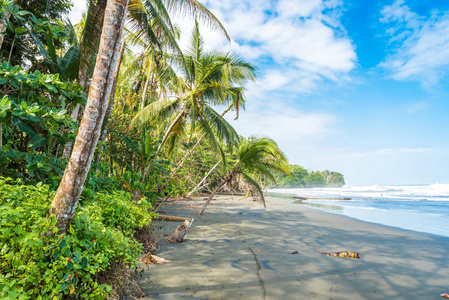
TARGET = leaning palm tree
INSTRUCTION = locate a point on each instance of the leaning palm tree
(72, 182)
(255, 154)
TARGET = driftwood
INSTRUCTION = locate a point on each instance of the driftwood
(347, 254)
(178, 235)
(154, 259)
(308, 198)
(171, 218)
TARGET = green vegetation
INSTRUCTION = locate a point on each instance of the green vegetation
(38, 263)
(305, 179)
(80, 170)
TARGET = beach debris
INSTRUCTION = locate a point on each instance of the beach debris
(171, 218)
(445, 295)
(300, 198)
(178, 235)
(294, 252)
(308, 198)
(154, 259)
(348, 254)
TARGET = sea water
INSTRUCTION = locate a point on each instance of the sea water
(423, 208)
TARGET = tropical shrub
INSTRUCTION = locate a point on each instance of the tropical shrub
(117, 211)
(38, 263)
(34, 123)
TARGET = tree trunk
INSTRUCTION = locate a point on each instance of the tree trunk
(227, 179)
(164, 139)
(71, 186)
(202, 180)
(178, 235)
(196, 145)
(4, 24)
(145, 88)
(91, 36)
(104, 130)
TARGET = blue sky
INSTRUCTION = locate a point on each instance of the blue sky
(355, 86)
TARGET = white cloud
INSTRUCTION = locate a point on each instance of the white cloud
(289, 127)
(302, 37)
(420, 44)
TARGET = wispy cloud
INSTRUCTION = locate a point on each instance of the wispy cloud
(420, 45)
(390, 152)
(417, 107)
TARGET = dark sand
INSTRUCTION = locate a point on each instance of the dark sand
(239, 250)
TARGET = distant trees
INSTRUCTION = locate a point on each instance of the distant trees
(303, 178)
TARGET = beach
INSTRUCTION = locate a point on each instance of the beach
(239, 250)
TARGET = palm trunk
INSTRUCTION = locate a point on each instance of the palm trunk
(104, 131)
(71, 186)
(227, 179)
(91, 36)
(187, 155)
(137, 193)
(10, 50)
(4, 24)
(145, 88)
(202, 180)
(164, 139)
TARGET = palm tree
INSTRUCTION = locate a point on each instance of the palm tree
(254, 154)
(71, 186)
(209, 80)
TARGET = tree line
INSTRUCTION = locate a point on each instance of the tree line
(302, 178)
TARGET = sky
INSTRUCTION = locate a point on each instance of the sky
(354, 86)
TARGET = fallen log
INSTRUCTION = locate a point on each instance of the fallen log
(178, 235)
(300, 198)
(171, 218)
(347, 254)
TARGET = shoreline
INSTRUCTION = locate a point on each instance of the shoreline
(238, 250)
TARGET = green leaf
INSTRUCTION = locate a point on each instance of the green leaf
(23, 126)
(84, 262)
(37, 141)
(69, 266)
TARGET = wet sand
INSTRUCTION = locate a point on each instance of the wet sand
(239, 250)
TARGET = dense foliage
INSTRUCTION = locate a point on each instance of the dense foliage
(37, 263)
(35, 123)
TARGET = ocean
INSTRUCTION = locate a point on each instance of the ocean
(422, 208)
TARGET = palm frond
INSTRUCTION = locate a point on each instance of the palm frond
(153, 110)
(254, 183)
(196, 10)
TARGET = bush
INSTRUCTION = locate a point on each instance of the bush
(37, 263)
(118, 211)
